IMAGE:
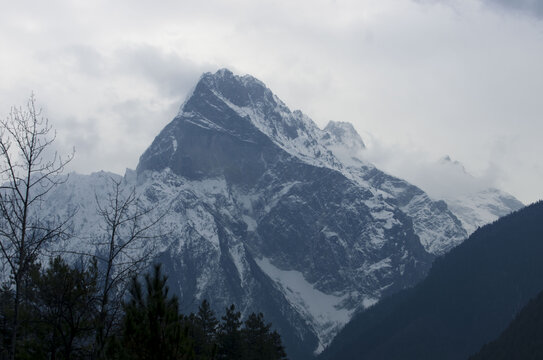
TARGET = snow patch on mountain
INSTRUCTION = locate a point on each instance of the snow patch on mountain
(472, 199)
(483, 207)
(251, 223)
(324, 311)
(294, 132)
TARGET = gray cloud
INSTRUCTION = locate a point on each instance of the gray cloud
(84, 132)
(427, 80)
(85, 59)
(440, 178)
(529, 7)
(171, 74)
(138, 114)
(533, 7)
(109, 105)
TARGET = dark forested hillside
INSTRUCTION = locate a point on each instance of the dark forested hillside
(469, 297)
(523, 338)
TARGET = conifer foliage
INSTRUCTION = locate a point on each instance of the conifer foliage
(61, 310)
(57, 312)
(261, 343)
(230, 341)
(152, 327)
(205, 331)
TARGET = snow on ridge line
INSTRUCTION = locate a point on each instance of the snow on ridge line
(297, 147)
(334, 154)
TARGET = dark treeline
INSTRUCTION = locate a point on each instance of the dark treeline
(60, 314)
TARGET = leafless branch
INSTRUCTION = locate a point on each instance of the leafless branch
(127, 225)
(26, 176)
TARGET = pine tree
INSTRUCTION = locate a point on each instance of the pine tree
(207, 321)
(57, 316)
(260, 342)
(230, 343)
(65, 309)
(205, 333)
(278, 349)
(254, 336)
(152, 326)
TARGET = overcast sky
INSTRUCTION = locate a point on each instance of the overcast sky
(419, 79)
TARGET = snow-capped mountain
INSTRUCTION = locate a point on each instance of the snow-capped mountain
(473, 203)
(482, 207)
(267, 211)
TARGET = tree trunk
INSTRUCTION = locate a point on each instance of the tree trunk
(15, 325)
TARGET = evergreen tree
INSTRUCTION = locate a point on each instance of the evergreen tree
(207, 321)
(152, 327)
(230, 343)
(277, 346)
(205, 334)
(64, 310)
(57, 314)
(61, 307)
(260, 342)
(255, 333)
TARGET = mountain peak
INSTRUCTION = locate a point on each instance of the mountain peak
(228, 75)
(344, 142)
(448, 161)
(224, 72)
(345, 132)
(239, 90)
(238, 107)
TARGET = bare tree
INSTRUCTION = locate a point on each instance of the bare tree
(125, 248)
(27, 173)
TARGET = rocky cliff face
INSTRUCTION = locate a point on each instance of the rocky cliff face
(267, 211)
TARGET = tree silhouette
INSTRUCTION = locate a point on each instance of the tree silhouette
(230, 343)
(152, 327)
(205, 332)
(27, 173)
(65, 307)
(127, 226)
(260, 342)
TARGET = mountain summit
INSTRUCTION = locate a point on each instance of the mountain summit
(246, 112)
